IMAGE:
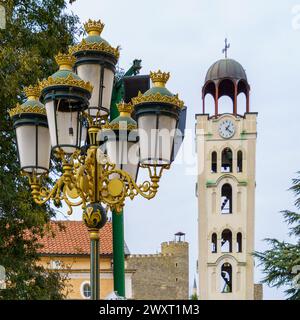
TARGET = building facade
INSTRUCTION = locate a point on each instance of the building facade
(226, 148)
(68, 250)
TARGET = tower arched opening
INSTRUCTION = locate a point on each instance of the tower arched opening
(226, 242)
(209, 104)
(239, 247)
(226, 160)
(239, 161)
(226, 199)
(214, 243)
(241, 104)
(226, 278)
(225, 105)
(226, 94)
(214, 162)
(243, 92)
(209, 98)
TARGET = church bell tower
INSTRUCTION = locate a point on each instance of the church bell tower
(226, 147)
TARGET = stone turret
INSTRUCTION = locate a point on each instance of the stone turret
(180, 263)
(164, 275)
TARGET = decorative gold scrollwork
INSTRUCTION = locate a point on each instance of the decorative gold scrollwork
(92, 178)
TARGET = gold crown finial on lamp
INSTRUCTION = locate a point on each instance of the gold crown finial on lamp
(159, 78)
(125, 109)
(65, 61)
(32, 92)
(93, 27)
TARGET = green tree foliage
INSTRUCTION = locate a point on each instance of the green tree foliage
(194, 296)
(35, 31)
(281, 263)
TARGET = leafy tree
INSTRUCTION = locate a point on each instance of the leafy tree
(35, 31)
(281, 262)
(194, 296)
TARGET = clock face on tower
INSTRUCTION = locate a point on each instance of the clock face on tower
(226, 129)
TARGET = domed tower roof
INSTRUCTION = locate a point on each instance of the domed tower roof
(226, 77)
(226, 68)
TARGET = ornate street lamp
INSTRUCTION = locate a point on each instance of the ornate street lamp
(33, 139)
(157, 112)
(90, 178)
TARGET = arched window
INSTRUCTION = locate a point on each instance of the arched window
(214, 243)
(86, 290)
(226, 199)
(214, 162)
(226, 160)
(226, 278)
(240, 161)
(239, 247)
(226, 242)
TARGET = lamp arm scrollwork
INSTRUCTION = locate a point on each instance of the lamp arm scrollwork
(115, 190)
(148, 189)
(42, 194)
(93, 178)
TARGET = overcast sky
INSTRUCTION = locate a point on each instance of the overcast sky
(185, 38)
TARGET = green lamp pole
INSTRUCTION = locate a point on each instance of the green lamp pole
(118, 218)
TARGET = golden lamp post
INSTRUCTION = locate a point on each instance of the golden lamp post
(67, 115)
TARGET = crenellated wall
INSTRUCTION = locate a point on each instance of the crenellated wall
(161, 276)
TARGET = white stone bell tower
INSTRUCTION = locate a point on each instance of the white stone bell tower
(226, 147)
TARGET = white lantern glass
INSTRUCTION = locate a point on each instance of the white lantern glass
(44, 147)
(125, 154)
(108, 82)
(51, 121)
(147, 134)
(165, 138)
(102, 80)
(34, 148)
(156, 134)
(91, 72)
(65, 128)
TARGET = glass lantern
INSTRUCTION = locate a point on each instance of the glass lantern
(157, 112)
(122, 145)
(95, 62)
(32, 133)
(66, 97)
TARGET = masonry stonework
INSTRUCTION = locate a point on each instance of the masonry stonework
(161, 276)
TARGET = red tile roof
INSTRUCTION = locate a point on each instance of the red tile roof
(73, 239)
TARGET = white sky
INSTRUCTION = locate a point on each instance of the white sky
(185, 38)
